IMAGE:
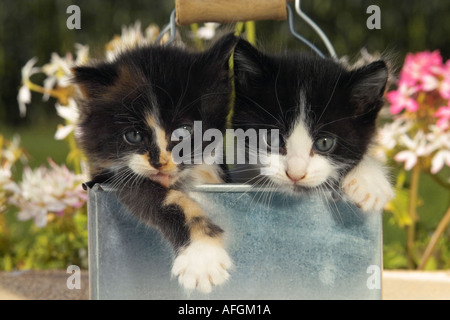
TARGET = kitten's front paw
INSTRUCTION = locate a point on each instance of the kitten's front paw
(202, 265)
(367, 187)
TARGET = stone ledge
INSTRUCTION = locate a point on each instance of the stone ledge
(51, 285)
(41, 285)
(416, 285)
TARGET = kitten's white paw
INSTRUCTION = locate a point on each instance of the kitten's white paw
(367, 186)
(202, 265)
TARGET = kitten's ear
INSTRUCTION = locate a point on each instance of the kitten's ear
(368, 85)
(248, 63)
(221, 51)
(93, 80)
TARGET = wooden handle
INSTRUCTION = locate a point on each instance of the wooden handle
(228, 11)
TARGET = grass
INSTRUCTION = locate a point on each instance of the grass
(38, 142)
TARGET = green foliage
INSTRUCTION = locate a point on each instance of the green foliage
(38, 142)
(434, 201)
(399, 205)
(406, 26)
(441, 258)
(62, 242)
(394, 256)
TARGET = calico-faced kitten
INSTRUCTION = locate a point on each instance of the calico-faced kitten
(130, 111)
(326, 118)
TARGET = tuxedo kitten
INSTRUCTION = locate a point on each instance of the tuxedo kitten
(134, 112)
(325, 116)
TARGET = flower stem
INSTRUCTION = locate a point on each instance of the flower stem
(249, 29)
(251, 33)
(440, 182)
(62, 93)
(434, 239)
(73, 147)
(411, 230)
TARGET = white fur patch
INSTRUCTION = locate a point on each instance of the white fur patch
(310, 170)
(139, 163)
(367, 185)
(202, 265)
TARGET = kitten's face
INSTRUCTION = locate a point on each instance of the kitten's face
(303, 161)
(324, 113)
(134, 106)
(147, 150)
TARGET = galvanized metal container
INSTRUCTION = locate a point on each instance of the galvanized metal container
(282, 248)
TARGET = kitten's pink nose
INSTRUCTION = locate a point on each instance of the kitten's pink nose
(296, 168)
(295, 176)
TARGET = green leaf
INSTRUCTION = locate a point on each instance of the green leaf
(399, 207)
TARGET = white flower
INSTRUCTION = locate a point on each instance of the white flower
(415, 148)
(24, 96)
(418, 144)
(438, 138)
(59, 67)
(151, 33)
(441, 157)
(71, 114)
(63, 131)
(45, 190)
(82, 53)
(131, 37)
(29, 69)
(58, 72)
(6, 186)
(6, 182)
(389, 135)
(208, 31)
(11, 154)
(408, 157)
(5, 176)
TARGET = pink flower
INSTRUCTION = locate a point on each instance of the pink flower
(444, 88)
(443, 114)
(401, 99)
(420, 68)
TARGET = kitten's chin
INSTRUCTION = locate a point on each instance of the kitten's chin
(302, 189)
(297, 189)
(293, 188)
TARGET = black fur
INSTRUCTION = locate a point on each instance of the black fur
(179, 86)
(271, 90)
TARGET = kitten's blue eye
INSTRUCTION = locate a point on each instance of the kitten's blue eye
(133, 137)
(324, 144)
(182, 132)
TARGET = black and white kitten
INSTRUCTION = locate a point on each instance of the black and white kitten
(130, 111)
(326, 117)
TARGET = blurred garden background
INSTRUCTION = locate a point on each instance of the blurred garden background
(38, 29)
